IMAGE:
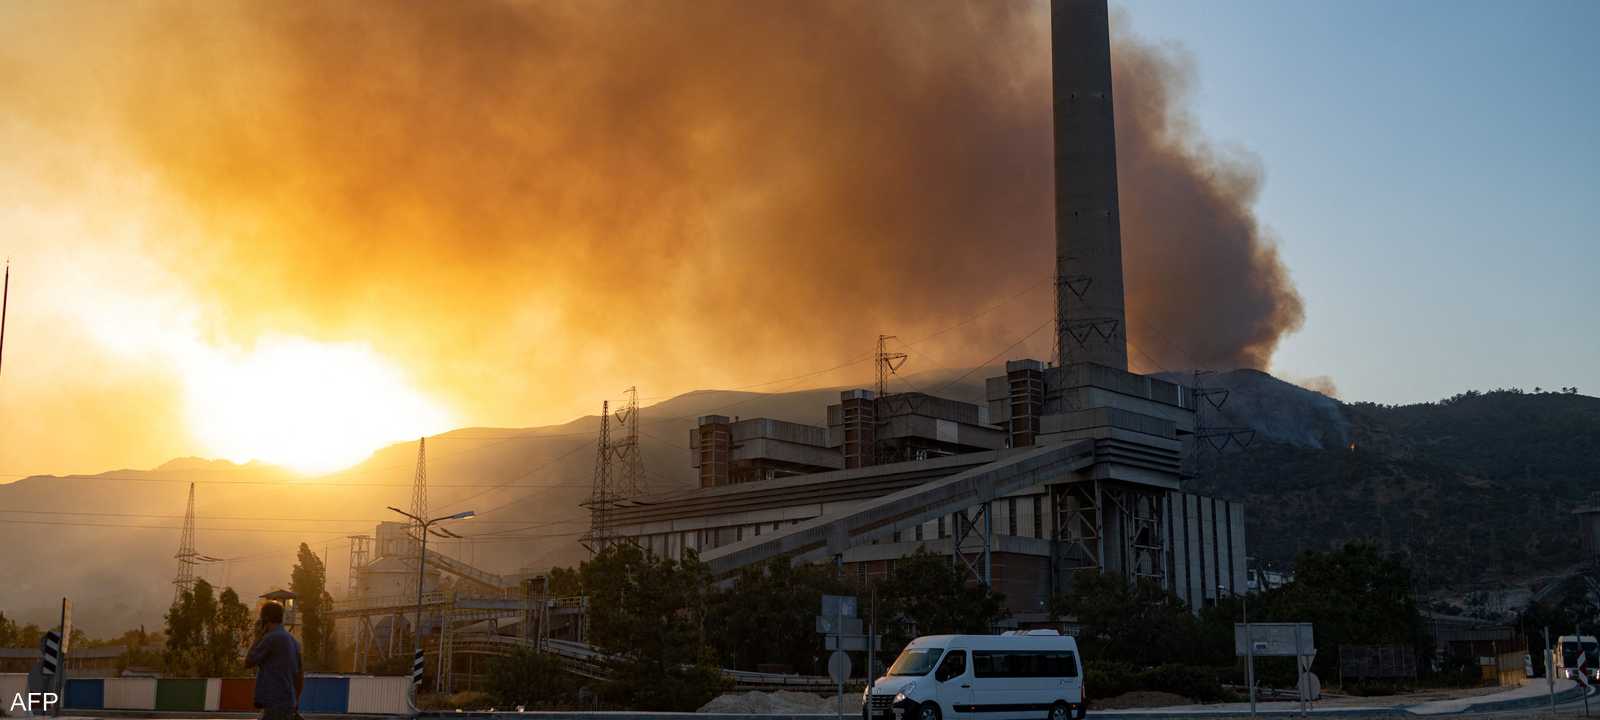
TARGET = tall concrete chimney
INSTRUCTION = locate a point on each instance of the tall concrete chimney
(1090, 322)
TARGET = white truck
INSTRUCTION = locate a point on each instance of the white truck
(1032, 674)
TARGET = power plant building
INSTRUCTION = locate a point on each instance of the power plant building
(1065, 468)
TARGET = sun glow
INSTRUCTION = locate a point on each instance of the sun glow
(313, 407)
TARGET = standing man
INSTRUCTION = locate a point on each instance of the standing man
(276, 657)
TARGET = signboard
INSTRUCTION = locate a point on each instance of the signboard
(838, 606)
(1274, 640)
(851, 643)
(833, 625)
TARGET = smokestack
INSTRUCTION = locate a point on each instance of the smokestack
(1090, 321)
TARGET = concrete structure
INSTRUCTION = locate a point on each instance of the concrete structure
(738, 451)
(1090, 322)
(1065, 469)
(870, 430)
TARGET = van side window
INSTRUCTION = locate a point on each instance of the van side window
(1024, 664)
(954, 665)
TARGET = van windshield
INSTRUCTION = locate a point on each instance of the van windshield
(917, 661)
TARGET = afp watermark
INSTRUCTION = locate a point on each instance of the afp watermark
(34, 703)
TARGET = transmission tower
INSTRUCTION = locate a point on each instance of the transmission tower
(626, 450)
(600, 499)
(888, 363)
(186, 556)
(419, 509)
(618, 470)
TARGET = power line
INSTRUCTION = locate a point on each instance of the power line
(215, 517)
(991, 360)
(151, 527)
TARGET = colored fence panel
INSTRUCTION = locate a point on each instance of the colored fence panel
(10, 685)
(325, 694)
(237, 694)
(213, 693)
(84, 694)
(181, 694)
(379, 695)
(130, 693)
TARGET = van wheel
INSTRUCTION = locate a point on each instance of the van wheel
(1060, 711)
(928, 711)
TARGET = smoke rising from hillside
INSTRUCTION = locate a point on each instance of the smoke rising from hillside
(525, 200)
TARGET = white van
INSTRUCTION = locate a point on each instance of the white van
(1033, 674)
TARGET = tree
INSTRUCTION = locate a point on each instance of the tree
(1353, 596)
(650, 612)
(308, 581)
(529, 678)
(769, 614)
(206, 634)
(1142, 623)
(929, 594)
(565, 582)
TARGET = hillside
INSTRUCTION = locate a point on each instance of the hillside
(108, 540)
(1474, 489)
(1475, 486)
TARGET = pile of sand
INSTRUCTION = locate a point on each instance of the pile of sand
(782, 702)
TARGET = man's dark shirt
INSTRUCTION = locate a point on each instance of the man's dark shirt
(276, 658)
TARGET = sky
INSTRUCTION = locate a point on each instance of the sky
(1432, 176)
(294, 233)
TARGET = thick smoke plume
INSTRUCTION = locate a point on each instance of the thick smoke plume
(530, 200)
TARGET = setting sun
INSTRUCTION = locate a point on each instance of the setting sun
(310, 406)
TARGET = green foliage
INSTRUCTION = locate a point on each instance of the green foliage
(1354, 596)
(651, 613)
(309, 583)
(13, 635)
(1465, 489)
(1140, 624)
(206, 634)
(531, 679)
(769, 614)
(565, 582)
(928, 594)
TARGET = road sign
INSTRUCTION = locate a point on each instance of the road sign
(832, 625)
(1275, 640)
(839, 666)
(838, 606)
(851, 643)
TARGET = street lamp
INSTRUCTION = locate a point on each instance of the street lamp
(422, 561)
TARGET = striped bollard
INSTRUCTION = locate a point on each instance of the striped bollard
(51, 653)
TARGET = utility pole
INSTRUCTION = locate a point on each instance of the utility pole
(1549, 669)
(423, 526)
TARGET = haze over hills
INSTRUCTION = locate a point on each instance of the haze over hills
(1472, 486)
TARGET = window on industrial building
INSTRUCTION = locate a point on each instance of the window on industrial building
(861, 572)
(941, 526)
(757, 527)
(738, 533)
(1011, 516)
(777, 526)
(919, 532)
(897, 536)
(1038, 516)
